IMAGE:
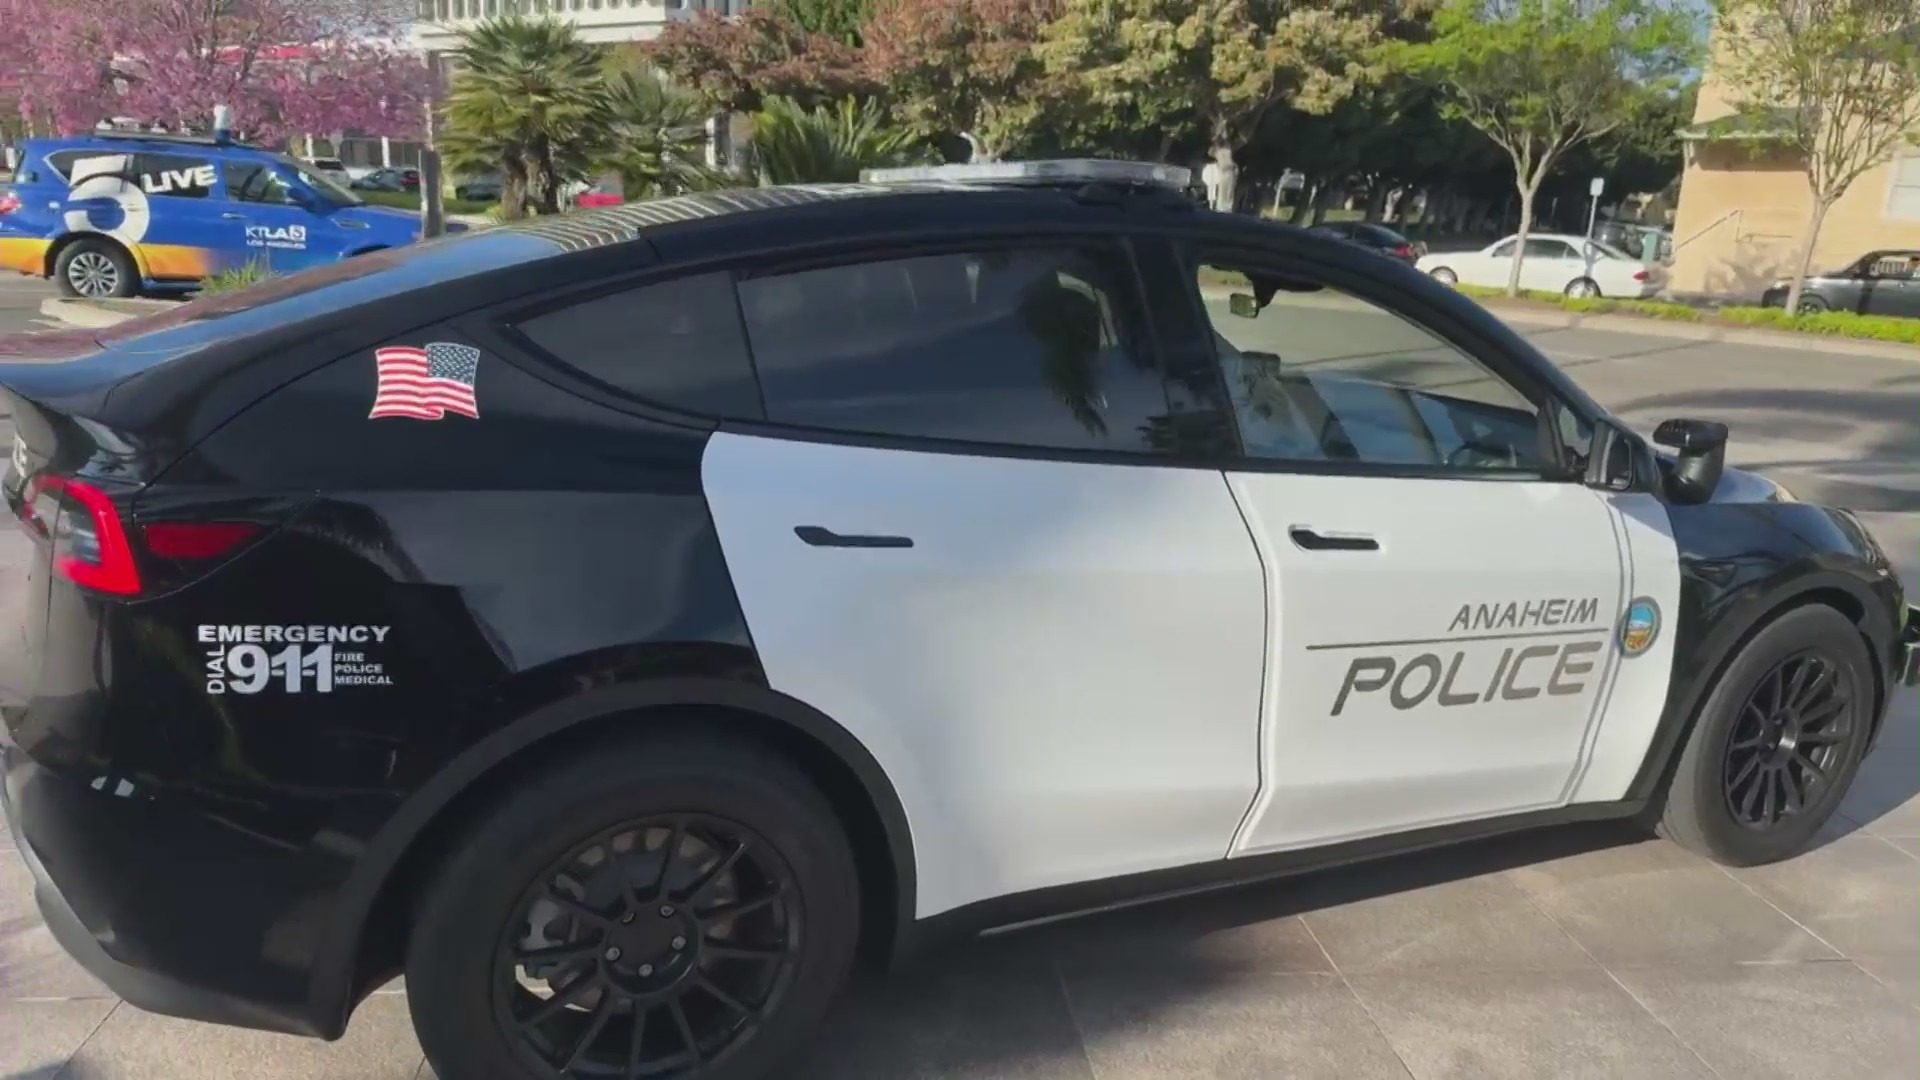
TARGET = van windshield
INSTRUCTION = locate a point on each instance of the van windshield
(327, 189)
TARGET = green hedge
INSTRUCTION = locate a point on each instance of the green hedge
(408, 200)
(1828, 324)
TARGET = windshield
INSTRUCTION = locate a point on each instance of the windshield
(327, 189)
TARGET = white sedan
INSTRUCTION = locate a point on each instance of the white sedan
(1573, 265)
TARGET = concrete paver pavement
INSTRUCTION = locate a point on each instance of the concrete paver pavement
(1584, 951)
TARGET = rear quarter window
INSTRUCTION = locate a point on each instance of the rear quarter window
(678, 343)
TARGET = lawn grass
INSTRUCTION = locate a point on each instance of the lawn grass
(409, 200)
(1825, 324)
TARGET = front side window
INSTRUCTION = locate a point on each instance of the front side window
(255, 183)
(1035, 347)
(1318, 375)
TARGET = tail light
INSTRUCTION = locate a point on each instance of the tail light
(90, 546)
(1405, 251)
(9, 202)
(94, 548)
(1640, 275)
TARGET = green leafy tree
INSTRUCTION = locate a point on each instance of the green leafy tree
(1220, 65)
(737, 62)
(828, 143)
(527, 100)
(963, 68)
(1541, 77)
(844, 21)
(655, 136)
(1836, 81)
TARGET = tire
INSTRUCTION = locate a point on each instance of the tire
(1583, 289)
(1444, 276)
(1701, 814)
(96, 270)
(465, 997)
(1810, 304)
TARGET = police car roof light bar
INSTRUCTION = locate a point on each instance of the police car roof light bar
(1055, 172)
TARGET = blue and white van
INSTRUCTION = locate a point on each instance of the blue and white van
(115, 214)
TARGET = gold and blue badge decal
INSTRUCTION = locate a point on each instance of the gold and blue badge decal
(1640, 627)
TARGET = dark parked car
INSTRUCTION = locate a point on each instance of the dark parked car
(1881, 283)
(389, 180)
(1376, 238)
(484, 189)
(695, 595)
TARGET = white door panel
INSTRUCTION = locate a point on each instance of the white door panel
(1639, 691)
(1455, 673)
(1061, 676)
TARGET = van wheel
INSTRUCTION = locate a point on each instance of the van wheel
(1777, 743)
(96, 270)
(670, 907)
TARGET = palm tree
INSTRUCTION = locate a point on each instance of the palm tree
(832, 143)
(527, 100)
(655, 136)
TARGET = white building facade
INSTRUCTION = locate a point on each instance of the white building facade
(603, 22)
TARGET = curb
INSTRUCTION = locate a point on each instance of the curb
(1703, 332)
(96, 315)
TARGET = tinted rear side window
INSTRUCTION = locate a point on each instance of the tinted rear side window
(678, 343)
(1036, 348)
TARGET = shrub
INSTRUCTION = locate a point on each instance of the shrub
(253, 272)
(1828, 323)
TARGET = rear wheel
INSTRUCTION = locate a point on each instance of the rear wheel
(1583, 288)
(672, 909)
(1777, 742)
(96, 270)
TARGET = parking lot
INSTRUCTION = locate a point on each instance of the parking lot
(1579, 952)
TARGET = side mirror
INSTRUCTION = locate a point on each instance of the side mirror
(1244, 305)
(1701, 449)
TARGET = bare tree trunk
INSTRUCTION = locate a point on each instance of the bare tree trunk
(1520, 239)
(1227, 174)
(1804, 261)
(1377, 200)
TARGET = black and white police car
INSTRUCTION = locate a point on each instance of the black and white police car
(618, 622)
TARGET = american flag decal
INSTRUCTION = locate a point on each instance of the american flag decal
(426, 384)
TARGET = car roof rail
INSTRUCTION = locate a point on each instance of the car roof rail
(1060, 172)
(171, 138)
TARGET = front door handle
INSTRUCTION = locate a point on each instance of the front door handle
(1308, 540)
(819, 537)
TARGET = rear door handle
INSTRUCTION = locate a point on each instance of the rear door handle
(1308, 540)
(819, 537)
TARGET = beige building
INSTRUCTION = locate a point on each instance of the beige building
(1744, 206)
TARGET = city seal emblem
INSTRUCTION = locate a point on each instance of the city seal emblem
(1640, 627)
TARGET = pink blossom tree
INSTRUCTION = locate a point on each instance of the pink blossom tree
(283, 66)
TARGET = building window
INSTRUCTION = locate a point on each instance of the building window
(1904, 202)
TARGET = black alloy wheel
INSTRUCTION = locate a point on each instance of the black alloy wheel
(649, 951)
(1787, 741)
(1777, 742)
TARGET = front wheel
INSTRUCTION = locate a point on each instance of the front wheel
(1777, 742)
(1444, 276)
(672, 908)
(96, 270)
